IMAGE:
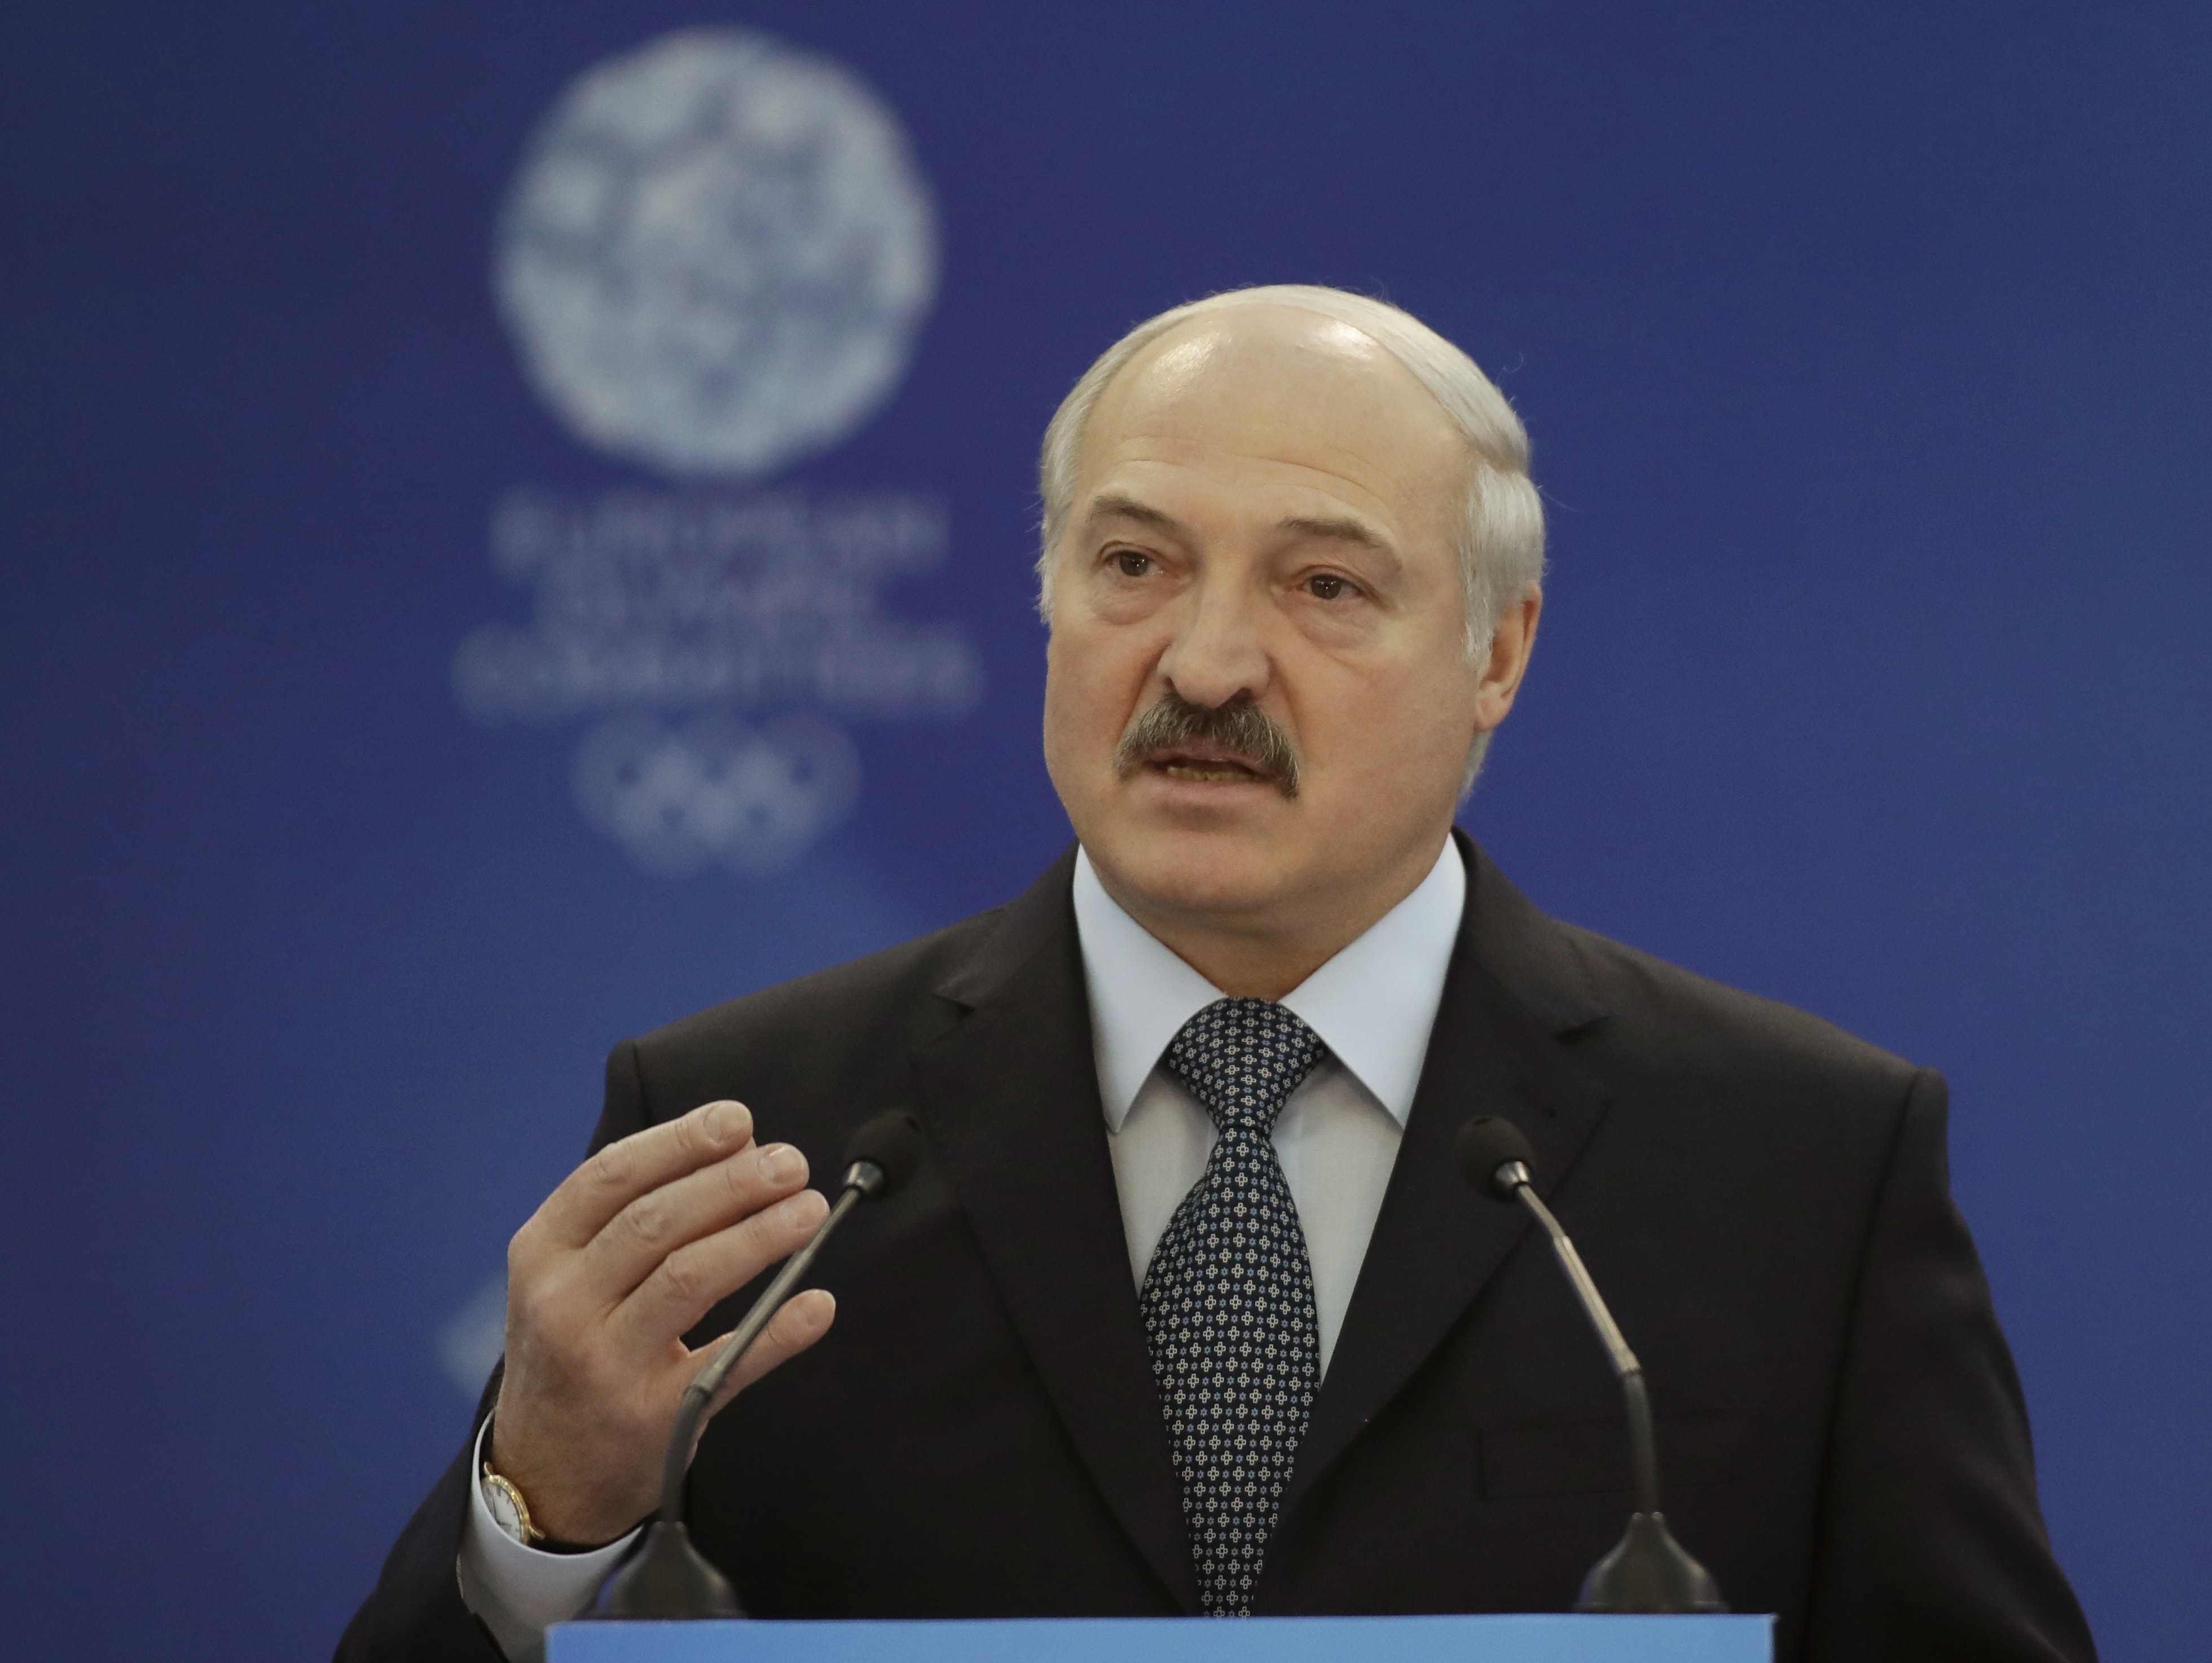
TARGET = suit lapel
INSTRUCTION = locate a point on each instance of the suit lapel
(1514, 987)
(1010, 1098)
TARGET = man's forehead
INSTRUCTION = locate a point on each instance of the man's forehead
(1114, 504)
(1268, 385)
(1359, 490)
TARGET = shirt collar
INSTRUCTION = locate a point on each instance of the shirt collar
(1372, 1004)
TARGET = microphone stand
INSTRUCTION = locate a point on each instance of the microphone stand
(668, 1577)
(1649, 1571)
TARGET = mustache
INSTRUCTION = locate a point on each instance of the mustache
(1239, 727)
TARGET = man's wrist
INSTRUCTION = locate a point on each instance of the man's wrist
(519, 1589)
(510, 1509)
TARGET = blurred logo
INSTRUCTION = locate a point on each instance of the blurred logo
(655, 599)
(713, 261)
(716, 254)
(716, 789)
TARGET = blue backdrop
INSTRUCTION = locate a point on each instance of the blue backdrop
(1864, 349)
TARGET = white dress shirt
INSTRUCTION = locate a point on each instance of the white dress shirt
(1372, 1005)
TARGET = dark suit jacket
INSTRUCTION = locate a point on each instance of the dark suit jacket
(1762, 1199)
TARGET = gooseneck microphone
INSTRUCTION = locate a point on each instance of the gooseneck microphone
(666, 1577)
(1649, 1571)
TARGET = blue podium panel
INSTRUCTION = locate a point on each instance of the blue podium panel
(1171, 1640)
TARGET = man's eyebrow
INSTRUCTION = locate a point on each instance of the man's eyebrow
(1337, 529)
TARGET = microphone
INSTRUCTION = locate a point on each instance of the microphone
(1649, 1571)
(667, 1578)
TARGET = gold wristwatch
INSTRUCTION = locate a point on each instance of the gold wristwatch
(508, 1508)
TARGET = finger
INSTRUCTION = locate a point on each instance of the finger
(640, 1239)
(636, 1165)
(805, 1318)
(690, 1282)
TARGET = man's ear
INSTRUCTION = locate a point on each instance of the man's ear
(1510, 644)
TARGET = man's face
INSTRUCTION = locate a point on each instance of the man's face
(1263, 526)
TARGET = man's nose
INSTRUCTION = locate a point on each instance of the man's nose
(1218, 653)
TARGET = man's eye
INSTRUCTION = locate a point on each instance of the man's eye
(1326, 586)
(1131, 564)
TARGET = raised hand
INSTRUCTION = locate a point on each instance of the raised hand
(632, 1250)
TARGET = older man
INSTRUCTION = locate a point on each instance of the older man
(1188, 1312)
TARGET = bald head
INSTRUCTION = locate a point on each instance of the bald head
(1499, 531)
(1282, 383)
(1279, 401)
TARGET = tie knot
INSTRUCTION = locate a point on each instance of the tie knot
(1242, 1059)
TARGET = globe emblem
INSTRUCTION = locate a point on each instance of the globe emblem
(716, 254)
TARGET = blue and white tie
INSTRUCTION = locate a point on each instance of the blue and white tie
(1228, 1298)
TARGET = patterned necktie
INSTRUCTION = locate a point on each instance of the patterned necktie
(1228, 1298)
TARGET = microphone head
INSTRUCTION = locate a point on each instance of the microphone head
(1487, 1143)
(891, 1142)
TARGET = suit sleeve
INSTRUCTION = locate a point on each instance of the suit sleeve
(416, 1613)
(1930, 1542)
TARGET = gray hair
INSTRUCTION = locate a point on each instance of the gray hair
(1500, 543)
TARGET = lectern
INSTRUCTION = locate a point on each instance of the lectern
(1186, 1640)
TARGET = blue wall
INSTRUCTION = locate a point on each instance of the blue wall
(1865, 350)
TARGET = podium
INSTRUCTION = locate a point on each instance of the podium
(1517, 1639)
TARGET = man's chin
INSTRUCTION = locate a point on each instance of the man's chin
(1221, 869)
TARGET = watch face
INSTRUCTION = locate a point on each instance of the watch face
(498, 1502)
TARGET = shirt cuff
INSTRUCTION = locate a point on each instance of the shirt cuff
(520, 1591)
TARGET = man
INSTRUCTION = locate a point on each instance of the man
(1290, 570)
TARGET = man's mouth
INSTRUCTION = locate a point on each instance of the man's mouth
(1228, 770)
